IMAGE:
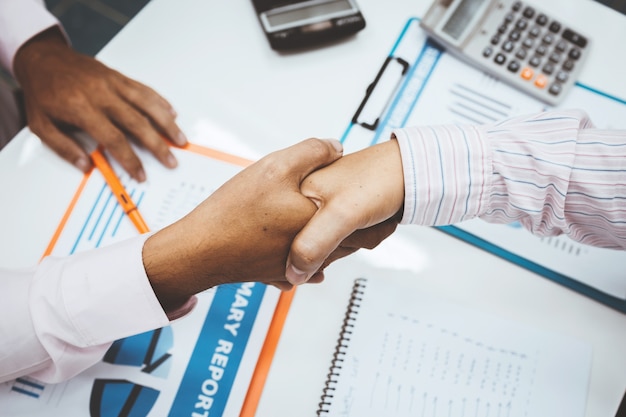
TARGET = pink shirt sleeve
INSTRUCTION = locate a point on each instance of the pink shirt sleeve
(59, 318)
(20, 20)
(553, 172)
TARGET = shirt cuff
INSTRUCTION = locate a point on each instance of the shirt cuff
(447, 173)
(20, 350)
(19, 21)
(82, 303)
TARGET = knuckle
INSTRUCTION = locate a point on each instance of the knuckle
(114, 140)
(274, 168)
(77, 100)
(137, 124)
(319, 149)
(133, 94)
(306, 253)
(136, 92)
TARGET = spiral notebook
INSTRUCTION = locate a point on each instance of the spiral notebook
(401, 353)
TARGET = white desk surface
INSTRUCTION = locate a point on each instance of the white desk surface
(211, 60)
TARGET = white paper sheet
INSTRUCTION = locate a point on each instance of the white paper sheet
(172, 379)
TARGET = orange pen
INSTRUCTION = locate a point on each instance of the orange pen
(119, 191)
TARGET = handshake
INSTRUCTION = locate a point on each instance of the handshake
(280, 221)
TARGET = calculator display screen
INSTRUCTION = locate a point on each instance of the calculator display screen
(461, 17)
(308, 12)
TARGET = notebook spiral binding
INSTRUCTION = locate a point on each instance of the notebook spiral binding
(342, 344)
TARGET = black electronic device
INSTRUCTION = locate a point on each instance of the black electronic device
(291, 24)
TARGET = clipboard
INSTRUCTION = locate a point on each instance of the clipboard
(161, 372)
(420, 84)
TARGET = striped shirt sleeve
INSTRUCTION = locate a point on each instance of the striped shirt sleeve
(552, 171)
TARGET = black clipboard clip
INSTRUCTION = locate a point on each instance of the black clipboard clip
(380, 81)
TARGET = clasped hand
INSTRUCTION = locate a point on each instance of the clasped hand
(280, 221)
(304, 206)
(359, 200)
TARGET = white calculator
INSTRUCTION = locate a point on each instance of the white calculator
(512, 40)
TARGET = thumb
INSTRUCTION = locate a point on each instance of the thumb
(309, 155)
(316, 242)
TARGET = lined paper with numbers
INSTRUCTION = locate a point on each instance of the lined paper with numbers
(401, 354)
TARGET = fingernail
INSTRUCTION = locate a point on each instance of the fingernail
(140, 176)
(337, 145)
(173, 112)
(83, 164)
(171, 161)
(295, 276)
(181, 139)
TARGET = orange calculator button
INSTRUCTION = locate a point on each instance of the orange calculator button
(527, 73)
(541, 81)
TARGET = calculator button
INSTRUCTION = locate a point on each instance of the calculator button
(568, 65)
(561, 46)
(534, 31)
(548, 69)
(508, 46)
(548, 39)
(499, 59)
(541, 50)
(513, 66)
(487, 51)
(541, 81)
(562, 76)
(529, 12)
(514, 35)
(517, 6)
(554, 27)
(555, 57)
(527, 73)
(542, 19)
(509, 17)
(521, 24)
(503, 28)
(495, 39)
(575, 38)
(555, 89)
(521, 53)
(574, 53)
(528, 43)
(535, 61)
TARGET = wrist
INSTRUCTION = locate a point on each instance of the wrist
(176, 302)
(30, 54)
(395, 175)
(171, 266)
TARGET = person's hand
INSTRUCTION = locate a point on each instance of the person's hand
(242, 232)
(360, 200)
(65, 90)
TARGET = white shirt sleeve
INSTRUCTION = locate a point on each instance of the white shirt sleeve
(553, 172)
(20, 20)
(60, 318)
